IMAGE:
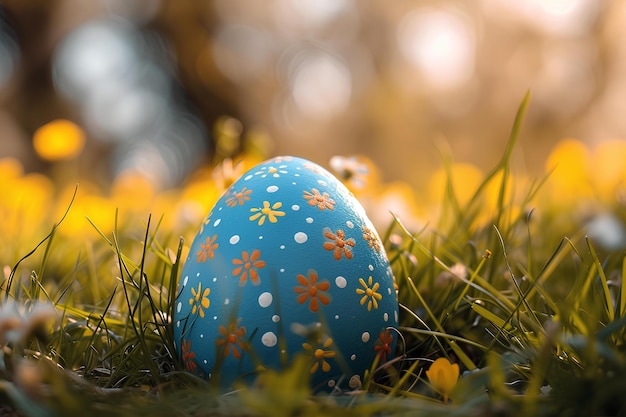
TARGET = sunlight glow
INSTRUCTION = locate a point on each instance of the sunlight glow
(440, 44)
(559, 17)
(94, 52)
(321, 85)
(309, 14)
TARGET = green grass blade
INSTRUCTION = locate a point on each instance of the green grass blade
(480, 283)
(506, 158)
(7, 290)
(171, 300)
(504, 161)
(523, 298)
(489, 316)
(608, 302)
(622, 291)
(550, 266)
(461, 296)
(441, 335)
(403, 381)
(469, 364)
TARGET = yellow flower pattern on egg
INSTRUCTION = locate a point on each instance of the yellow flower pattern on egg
(286, 262)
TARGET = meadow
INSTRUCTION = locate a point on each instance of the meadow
(511, 292)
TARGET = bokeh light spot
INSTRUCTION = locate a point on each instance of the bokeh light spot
(8, 58)
(9, 51)
(242, 52)
(321, 85)
(92, 53)
(59, 139)
(440, 44)
(310, 14)
(464, 179)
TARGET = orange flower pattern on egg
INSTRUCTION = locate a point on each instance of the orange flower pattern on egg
(286, 261)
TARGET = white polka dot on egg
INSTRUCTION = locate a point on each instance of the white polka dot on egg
(341, 282)
(265, 299)
(300, 237)
(286, 248)
(269, 339)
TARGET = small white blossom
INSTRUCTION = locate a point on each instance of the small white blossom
(17, 323)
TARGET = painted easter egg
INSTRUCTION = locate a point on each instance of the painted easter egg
(286, 263)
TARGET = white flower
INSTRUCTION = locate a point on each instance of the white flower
(17, 323)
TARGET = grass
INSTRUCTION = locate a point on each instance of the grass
(534, 315)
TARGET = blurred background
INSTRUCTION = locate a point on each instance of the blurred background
(147, 85)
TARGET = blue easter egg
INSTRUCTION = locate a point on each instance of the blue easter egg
(286, 263)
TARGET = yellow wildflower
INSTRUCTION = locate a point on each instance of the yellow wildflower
(443, 376)
(59, 139)
(607, 169)
(133, 191)
(464, 178)
(568, 183)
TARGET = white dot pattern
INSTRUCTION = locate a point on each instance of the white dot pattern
(300, 237)
(291, 243)
(265, 299)
(269, 339)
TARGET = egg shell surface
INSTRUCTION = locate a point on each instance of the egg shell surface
(286, 262)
